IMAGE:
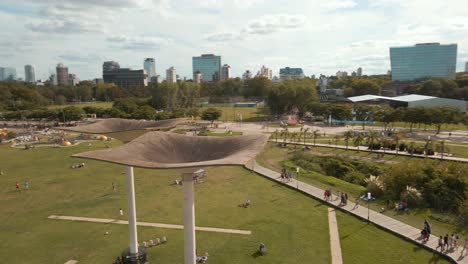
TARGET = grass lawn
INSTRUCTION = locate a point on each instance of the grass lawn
(95, 104)
(249, 114)
(294, 227)
(362, 243)
(224, 134)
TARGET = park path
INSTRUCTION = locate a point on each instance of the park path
(364, 149)
(159, 225)
(335, 245)
(399, 228)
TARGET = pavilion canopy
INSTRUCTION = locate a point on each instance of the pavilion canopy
(170, 150)
(112, 125)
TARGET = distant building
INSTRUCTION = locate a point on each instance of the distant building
(98, 81)
(423, 60)
(72, 79)
(225, 72)
(265, 72)
(322, 83)
(110, 66)
(341, 74)
(156, 79)
(466, 66)
(209, 65)
(150, 67)
(411, 100)
(197, 77)
(354, 74)
(125, 77)
(359, 72)
(29, 74)
(247, 75)
(291, 73)
(275, 79)
(171, 75)
(62, 74)
(53, 79)
(7, 74)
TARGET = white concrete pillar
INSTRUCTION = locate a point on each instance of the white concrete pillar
(189, 219)
(132, 227)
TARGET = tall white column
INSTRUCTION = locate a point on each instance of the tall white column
(189, 219)
(132, 228)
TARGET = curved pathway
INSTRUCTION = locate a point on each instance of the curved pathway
(399, 228)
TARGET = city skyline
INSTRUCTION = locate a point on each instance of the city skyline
(82, 35)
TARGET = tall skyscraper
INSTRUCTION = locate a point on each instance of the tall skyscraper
(62, 74)
(225, 72)
(171, 75)
(150, 67)
(125, 77)
(29, 74)
(110, 66)
(265, 72)
(209, 65)
(7, 74)
(53, 79)
(359, 72)
(72, 79)
(197, 77)
(423, 60)
(291, 73)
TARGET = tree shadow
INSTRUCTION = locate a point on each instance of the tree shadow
(256, 254)
(354, 232)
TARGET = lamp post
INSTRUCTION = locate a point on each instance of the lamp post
(297, 171)
(368, 210)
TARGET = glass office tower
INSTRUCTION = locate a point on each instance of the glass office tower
(423, 60)
(208, 65)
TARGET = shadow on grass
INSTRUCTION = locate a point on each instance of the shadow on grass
(257, 254)
(354, 232)
(436, 258)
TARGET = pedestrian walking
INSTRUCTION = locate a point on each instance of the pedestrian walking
(465, 247)
(450, 242)
(113, 187)
(346, 198)
(356, 203)
(427, 227)
(26, 185)
(338, 195)
(446, 244)
(120, 212)
(17, 186)
(440, 244)
(454, 241)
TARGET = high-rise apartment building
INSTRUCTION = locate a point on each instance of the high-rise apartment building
(265, 72)
(171, 75)
(53, 79)
(29, 74)
(341, 74)
(123, 77)
(225, 72)
(423, 60)
(359, 72)
(197, 77)
(209, 65)
(150, 67)
(62, 74)
(7, 74)
(72, 79)
(291, 73)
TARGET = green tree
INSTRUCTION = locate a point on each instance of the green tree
(72, 113)
(365, 86)
(290, 94)
(431, 87)
(211, 114)
(144, 112)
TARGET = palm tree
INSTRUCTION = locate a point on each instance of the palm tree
(347, 136)
(358, 138)
(305, 134)
(336, 138)
(285, 135)
(427, 145)
(397, 137)
(371, 138)
(315, 135)
(276, 132)
(411, 147)
(441, 148)
(293, 139)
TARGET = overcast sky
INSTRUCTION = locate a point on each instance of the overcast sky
(321, 36)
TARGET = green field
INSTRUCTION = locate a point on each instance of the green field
(249, 114)
(293, 226)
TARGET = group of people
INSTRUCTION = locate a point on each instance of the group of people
(450, 242)
(77, 166)
(26, 185)
(327, 195)
(426, 232)
(401, 206)
(286, 176)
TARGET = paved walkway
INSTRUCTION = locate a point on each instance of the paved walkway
(159, 225)
(71, 262)
(335, 245)
(383, 221)
(364, 149)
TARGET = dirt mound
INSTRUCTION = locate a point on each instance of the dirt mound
(166, 150)
(112, 125)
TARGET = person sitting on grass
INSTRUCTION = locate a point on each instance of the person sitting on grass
(262, 249)
(246, 204)
(202, 259)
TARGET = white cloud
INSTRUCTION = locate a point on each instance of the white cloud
(272, 23)
(138, 43)
(340, 4)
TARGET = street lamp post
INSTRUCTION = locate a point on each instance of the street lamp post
(368, 209)
(297, 171)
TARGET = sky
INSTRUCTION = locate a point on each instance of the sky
(319, 36)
